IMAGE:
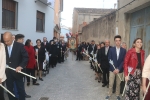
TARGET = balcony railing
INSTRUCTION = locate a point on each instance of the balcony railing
(47, 2)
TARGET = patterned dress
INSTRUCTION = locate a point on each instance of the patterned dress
(133, 86)
(134, 82)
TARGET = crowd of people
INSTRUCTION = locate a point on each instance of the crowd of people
(115, 65)
(28, 59)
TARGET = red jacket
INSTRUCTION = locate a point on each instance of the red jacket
(31, 53)
(132, 60)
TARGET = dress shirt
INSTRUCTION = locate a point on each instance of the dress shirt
(118, 52)
(10, 48)
(106, 50)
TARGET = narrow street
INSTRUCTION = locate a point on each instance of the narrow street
(71, 80)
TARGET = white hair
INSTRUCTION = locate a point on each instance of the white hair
(107, 40)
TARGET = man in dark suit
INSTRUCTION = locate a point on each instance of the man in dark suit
(59, 47)
(17, 58)
(92, 51)
(117, 55)
(45, 43)
(104, 63)
(53, 52)
(63, 51)
(20, 39)
(79, 50)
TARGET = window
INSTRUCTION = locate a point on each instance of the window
(9, 14)
(40, 21)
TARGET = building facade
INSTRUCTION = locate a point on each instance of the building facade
(133, 21)
(99, 30)
(58, 8)
(84, 16)
(33, 18)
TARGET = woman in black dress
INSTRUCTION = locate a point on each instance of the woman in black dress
(98, 71)
(40, 52)
(53, 53)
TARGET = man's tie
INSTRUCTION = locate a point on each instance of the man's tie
(9, 51)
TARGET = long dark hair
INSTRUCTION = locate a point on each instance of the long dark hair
(102, 43)
(27, 43)
(135, 42)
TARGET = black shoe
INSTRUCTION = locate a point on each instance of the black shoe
(36, 84)
(113, 91)
(107, 86)
(104, 85)
(40, 79)
(27, 96)
(99, 81)
(28, 84)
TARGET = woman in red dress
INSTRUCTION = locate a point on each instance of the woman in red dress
(146, 77)
(30, 68)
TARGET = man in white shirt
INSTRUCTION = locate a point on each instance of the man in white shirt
(116, 55)
(45, 43)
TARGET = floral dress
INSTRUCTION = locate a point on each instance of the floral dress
(133, 86)
(134, 83)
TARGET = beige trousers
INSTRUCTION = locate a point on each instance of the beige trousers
(111, 83)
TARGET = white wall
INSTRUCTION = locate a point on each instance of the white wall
(27, 20)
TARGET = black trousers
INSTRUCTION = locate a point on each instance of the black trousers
(53, 61)
(105, 75)
(59, 58)
(20, 86)
(78, 56)
(2, 93)
(62, 57)
(32, 73)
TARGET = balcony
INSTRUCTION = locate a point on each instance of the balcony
(47, 2)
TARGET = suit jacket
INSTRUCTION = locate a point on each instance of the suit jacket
(103, 58)
(53, 50)
(41, 54)
(90, 49)
(79, 48)
(113, 56)
(2, 62)
(19, 57)
(46, 46)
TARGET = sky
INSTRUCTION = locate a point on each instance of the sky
(68, 6)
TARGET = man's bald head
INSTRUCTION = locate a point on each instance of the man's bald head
(8, 38)
(107, 42)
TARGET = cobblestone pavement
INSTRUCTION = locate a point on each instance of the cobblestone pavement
(71, 80)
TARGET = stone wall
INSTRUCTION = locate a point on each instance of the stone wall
(100, 29)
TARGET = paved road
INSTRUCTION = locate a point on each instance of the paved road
(71, 80)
